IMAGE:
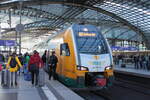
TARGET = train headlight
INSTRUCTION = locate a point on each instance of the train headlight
(82, 68)
(108, 68)
(108, 71)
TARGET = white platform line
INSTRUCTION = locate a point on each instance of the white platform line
(48, 93)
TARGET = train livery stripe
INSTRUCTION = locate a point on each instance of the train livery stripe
(75, 47)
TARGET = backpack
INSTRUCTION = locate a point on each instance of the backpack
(13, 62)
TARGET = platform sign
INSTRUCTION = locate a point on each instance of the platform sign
(0, 32)
(2, 43)
(130, 48)
(10, 43)
(7, 43)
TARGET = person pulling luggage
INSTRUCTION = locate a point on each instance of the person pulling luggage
(52, 65)
(13, 66)
(34, 64)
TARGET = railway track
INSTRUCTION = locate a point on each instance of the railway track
(93, 95)
(133, 86)
(145, 81)
(138, 84)
(124, 88)
(104, 94)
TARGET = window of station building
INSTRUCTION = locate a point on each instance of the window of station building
(64, 49)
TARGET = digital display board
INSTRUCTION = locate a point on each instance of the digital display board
(86, 34)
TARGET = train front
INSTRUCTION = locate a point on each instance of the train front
(94, 58)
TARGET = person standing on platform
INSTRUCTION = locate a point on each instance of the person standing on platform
(2, 58)
(13, 65)
(136, 62)
(44, 56)
(2, 61)
(147, 60)
(140, 62)
(21, 61)
(34, 64)
(52, 65)
(148, 68)
(144, 62)
(26, 61)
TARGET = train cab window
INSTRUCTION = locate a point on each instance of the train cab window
(64, 49)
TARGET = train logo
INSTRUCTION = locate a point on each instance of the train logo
(96, 57)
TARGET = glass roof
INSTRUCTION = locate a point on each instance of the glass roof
(134, 12)
(54, 17)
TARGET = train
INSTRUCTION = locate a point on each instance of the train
(84, 57)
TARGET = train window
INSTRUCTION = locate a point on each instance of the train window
(92, 45)
(64, 49)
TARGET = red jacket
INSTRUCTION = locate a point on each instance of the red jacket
(35, 59)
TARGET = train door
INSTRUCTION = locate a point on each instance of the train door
(64, 52)
(61, 61)
(67, 51)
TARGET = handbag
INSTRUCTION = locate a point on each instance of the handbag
(1, 68)
(40, 65)
(33, 67)
(41, 80)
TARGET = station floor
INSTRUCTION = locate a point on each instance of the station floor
(53, 90)
(129, 69)
(24, 91)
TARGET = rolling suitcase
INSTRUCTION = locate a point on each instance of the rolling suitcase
(5, 78)
(27, 75)
(41, 81)
(2, 78)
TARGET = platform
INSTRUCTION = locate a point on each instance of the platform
(129, 69)
(53, 90)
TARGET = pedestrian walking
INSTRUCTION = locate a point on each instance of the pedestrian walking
(34, 64)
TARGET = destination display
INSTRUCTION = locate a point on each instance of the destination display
(86, 34)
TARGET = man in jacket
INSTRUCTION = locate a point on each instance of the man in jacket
(52, 65)
(34, 64)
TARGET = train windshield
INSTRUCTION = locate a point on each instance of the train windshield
(91, 43)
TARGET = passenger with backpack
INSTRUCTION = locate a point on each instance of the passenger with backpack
(13, 66)
(34, 64)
